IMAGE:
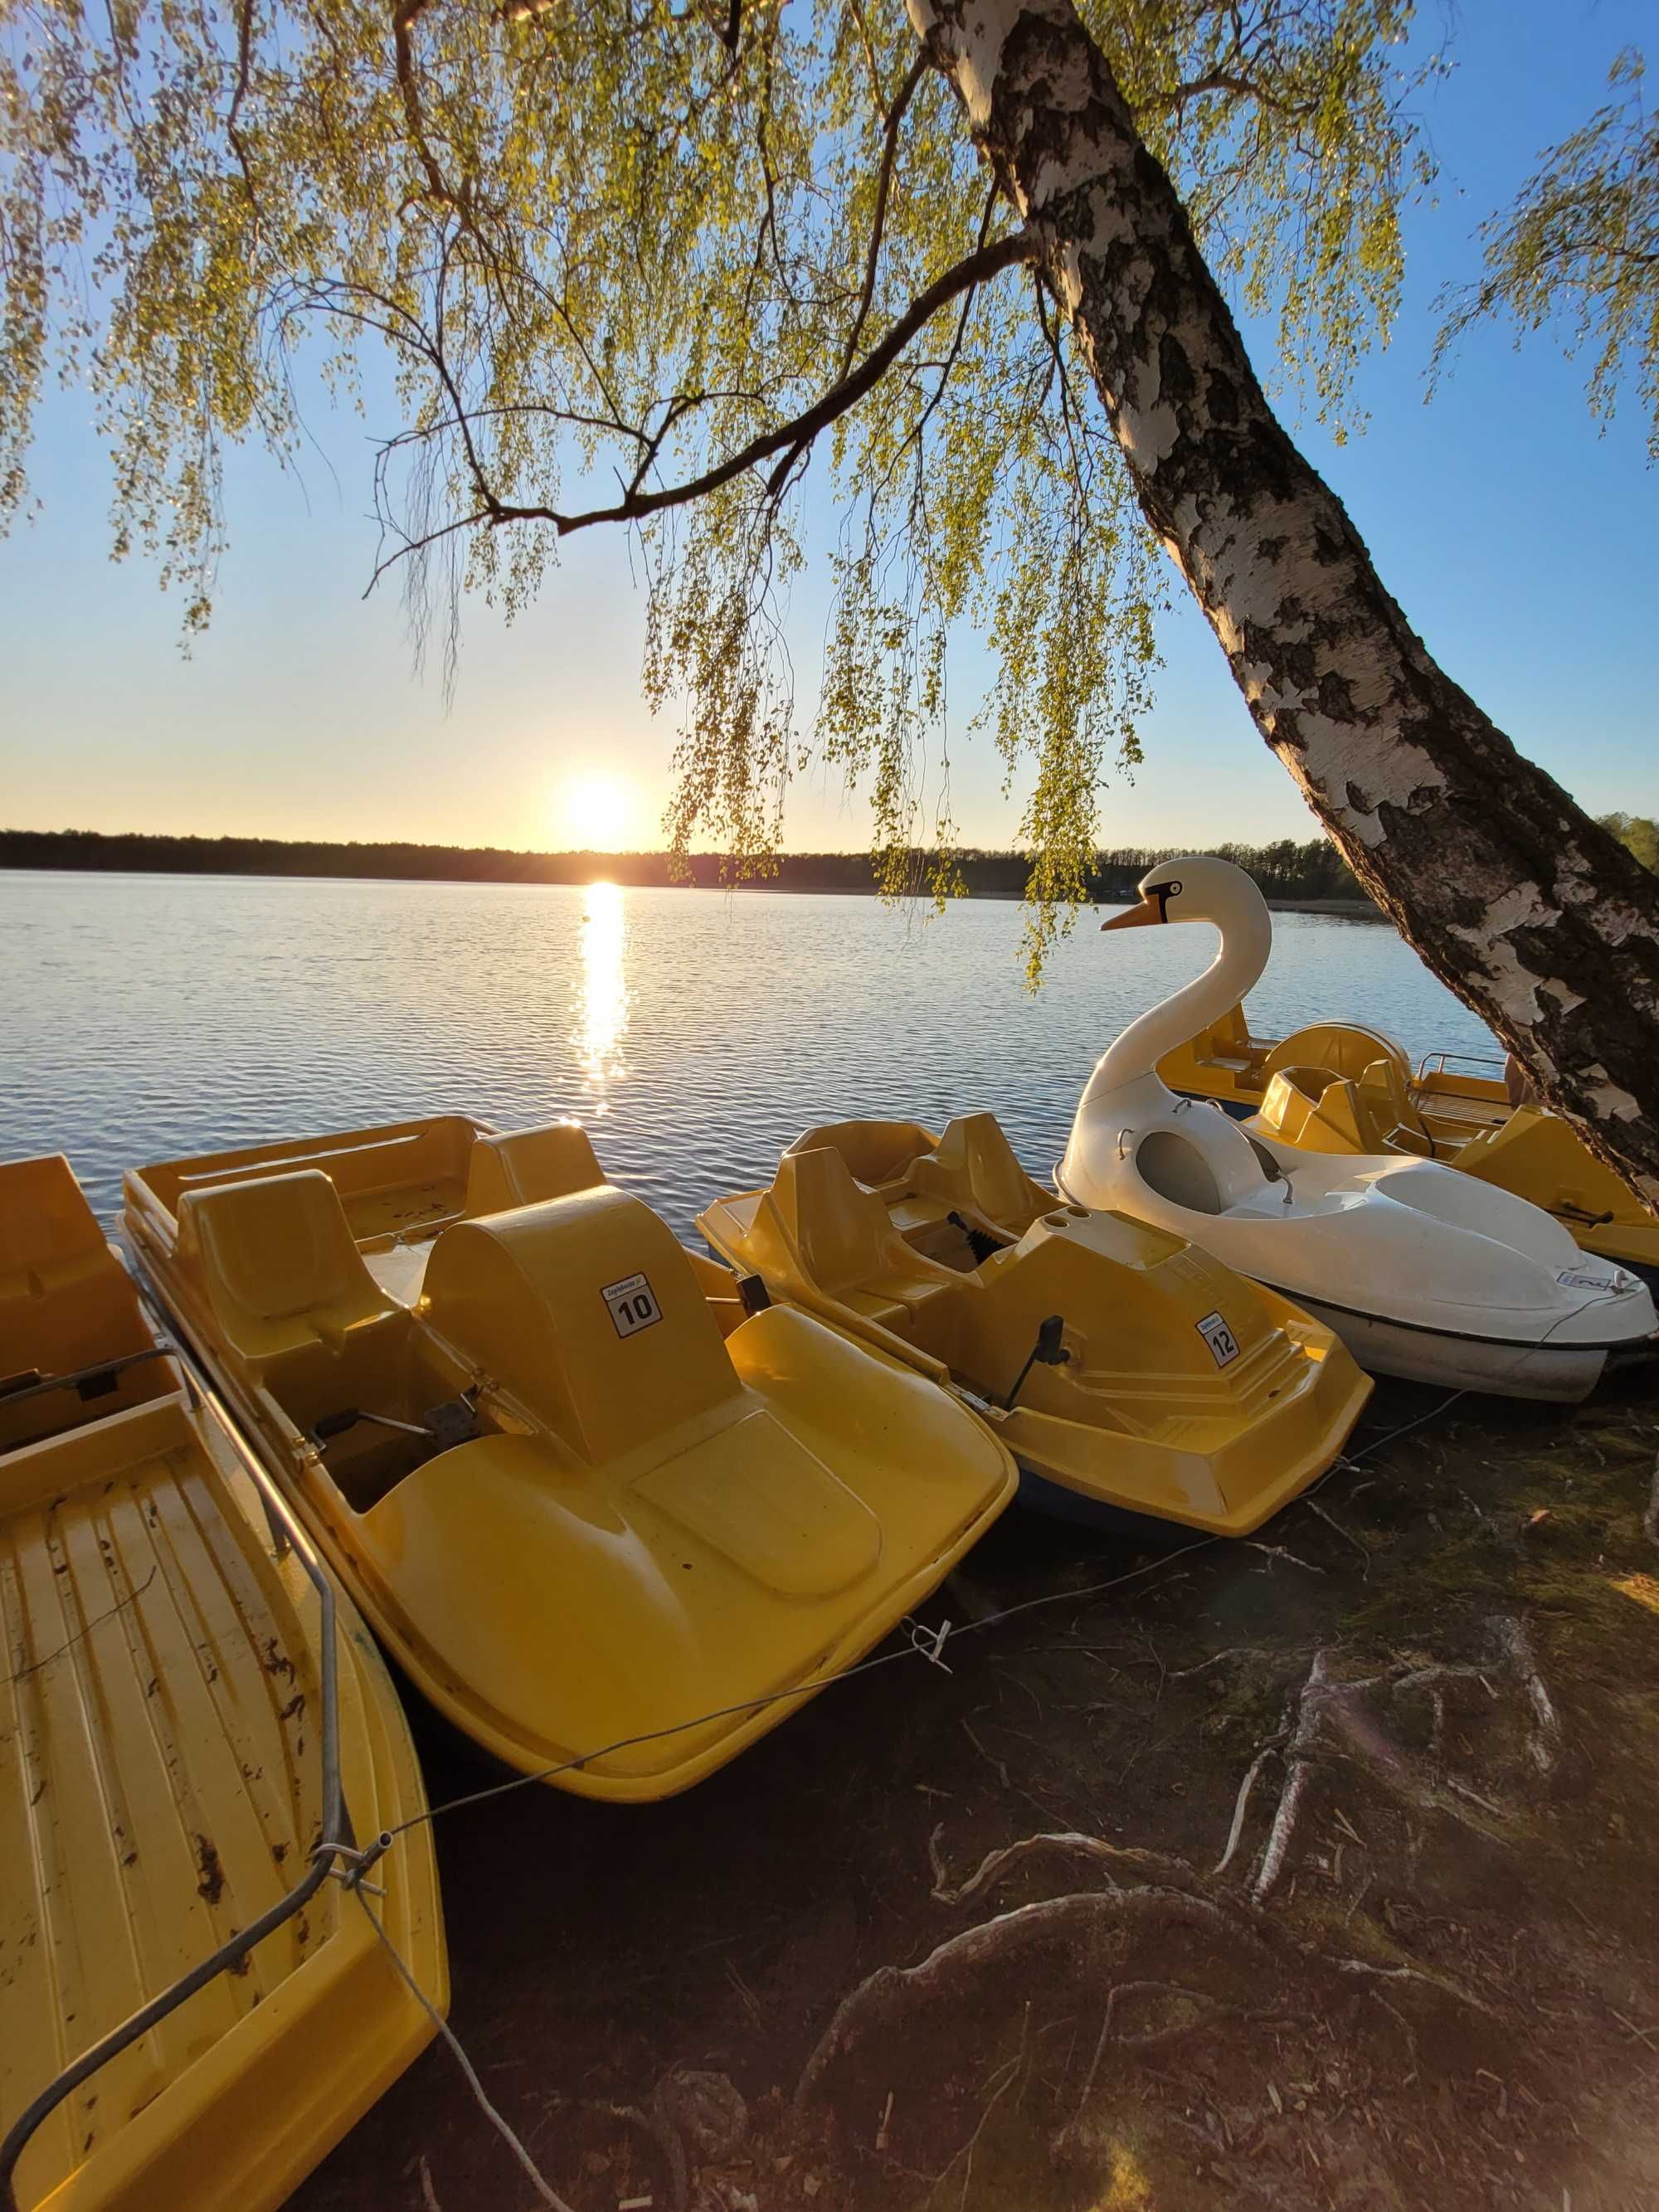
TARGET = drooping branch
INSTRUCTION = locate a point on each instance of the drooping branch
(244, 73)
(404, 16)
(638, 502)
(877, 222)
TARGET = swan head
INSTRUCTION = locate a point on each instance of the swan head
(1195, 888)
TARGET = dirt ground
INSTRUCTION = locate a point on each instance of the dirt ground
(1312, 1872)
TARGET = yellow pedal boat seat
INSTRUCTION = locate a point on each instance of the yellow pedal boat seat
(520, 1167)
(284, 1269)
(975, 1166)
(1340, 1049)
(609, 1523)
(1179, 1391)
(847, 1243)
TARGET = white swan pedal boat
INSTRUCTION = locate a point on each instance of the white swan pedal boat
(1422, 1272)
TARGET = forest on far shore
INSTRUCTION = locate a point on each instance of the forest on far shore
(1289, 871)
(1313, 870)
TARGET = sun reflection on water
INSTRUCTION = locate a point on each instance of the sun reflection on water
(602, 996)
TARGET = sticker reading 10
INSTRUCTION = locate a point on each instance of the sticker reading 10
(632, 1304)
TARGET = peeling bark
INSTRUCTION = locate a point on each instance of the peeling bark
(1538, 920)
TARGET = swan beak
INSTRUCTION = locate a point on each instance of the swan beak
(1136, 917)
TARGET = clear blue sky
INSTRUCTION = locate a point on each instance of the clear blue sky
(1520, 541)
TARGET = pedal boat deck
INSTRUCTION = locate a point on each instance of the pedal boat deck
(625, 1527)
(165, 1752)
(1184, 1394)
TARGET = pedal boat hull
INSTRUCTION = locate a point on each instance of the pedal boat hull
(1186, 1394)
(664, 1537)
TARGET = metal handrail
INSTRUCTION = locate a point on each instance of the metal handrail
(78, 1376)
(1434, 1063)
(337, 1819)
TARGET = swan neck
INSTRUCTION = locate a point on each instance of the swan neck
(1241, 956)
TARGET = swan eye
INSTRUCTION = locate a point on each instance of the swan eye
(1172, 891)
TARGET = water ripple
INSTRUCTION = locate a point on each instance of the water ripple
(150, 1016)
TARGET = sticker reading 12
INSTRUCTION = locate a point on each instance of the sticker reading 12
(632, 1304)
(1219, 1338)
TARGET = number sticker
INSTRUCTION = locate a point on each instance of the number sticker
(632, 1304)
(1221, 1339)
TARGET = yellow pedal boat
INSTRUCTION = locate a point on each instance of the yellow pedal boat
(608, 1521)
(1122, 1366)
(1341, 1087)
(191, 2011)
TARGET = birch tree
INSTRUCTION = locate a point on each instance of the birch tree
(647, 267)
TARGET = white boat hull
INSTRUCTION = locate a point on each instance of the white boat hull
(1564, 1373)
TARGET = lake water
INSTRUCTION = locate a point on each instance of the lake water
(145, 1016)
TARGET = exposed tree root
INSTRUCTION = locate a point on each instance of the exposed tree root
(1161, 1958)
(692, 2117)
(1093, 1851)
(885, 2001)
(1348, 1722)
(1242, 1804)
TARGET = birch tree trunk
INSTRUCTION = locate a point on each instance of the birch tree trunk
(1538, 919)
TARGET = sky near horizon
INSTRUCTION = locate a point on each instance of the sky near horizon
(1519, 539)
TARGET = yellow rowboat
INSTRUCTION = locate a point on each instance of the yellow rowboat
(608, 1521)
(1339, 1087)
(191, 2011)
(1122, 1367)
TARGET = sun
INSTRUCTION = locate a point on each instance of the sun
(594, 810)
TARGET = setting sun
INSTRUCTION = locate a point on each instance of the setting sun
(593, 812)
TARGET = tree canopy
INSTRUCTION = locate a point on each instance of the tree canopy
(593, 258)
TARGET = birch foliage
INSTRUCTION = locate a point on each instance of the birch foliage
(710, 272)
(1577, 251)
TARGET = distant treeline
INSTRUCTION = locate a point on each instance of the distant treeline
(1285, 871)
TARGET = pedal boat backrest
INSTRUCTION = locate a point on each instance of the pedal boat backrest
(838, 1236)
(1341, 1049)
(1309, 1106)
(277, 1262)
(525, 1166)
(66, 1302)
(877, 1154)
(975, 1167)
(586, 1310)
